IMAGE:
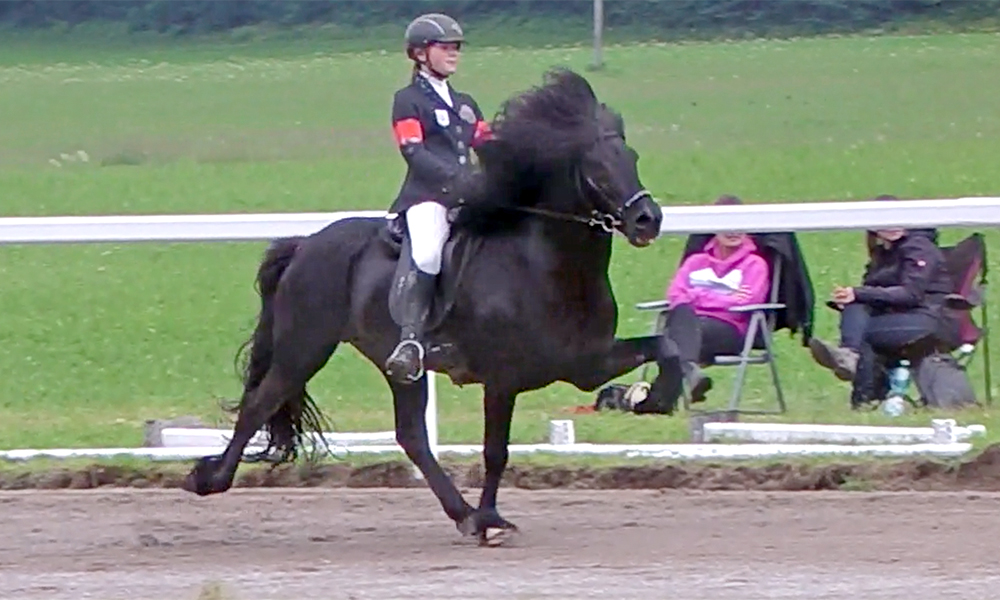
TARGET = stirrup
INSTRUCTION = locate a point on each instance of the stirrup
(420, 357)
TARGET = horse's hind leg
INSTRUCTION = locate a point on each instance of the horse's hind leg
(215, 474)
(410, 405)
(303, 342)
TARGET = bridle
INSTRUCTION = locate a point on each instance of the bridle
(608, 222)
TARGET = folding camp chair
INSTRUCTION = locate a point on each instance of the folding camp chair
(966, 263)
(758, 345)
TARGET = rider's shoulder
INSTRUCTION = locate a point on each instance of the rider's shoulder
(466, 98)
(464, 95)
(405, 99)
(407, 90)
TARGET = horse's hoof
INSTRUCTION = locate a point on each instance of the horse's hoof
(488, 527)
(498, 536)
(201, 479)
(467, 526)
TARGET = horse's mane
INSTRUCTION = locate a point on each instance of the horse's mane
(537, 134)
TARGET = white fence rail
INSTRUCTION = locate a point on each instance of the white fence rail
(812, 216)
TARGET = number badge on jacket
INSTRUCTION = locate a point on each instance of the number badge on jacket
(442, 117)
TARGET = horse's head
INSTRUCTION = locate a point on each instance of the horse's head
(560, 130)
(609, 174)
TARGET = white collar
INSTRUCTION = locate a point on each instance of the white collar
(440, 86)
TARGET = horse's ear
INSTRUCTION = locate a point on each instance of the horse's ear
(618, 122)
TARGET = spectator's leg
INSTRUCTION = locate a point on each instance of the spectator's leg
(843, 359)
(890, 333)
(717, 338)
(885, 334)
(680, 343)
(690, 336)
(863, 388)
(682, 334)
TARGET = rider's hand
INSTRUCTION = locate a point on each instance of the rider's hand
(460, 187)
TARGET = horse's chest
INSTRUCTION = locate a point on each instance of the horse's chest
(545, 308)
(575, 312)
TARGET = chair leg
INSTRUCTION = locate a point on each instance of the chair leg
(986, 356)
(685, 396)
(658, 326)
(769, 348)
(741, 371)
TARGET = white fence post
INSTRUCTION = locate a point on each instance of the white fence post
(430, 419)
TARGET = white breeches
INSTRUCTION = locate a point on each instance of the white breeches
(428, 225)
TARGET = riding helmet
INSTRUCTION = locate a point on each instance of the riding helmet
(429, 29)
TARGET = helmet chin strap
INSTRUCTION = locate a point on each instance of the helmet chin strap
(432, 70)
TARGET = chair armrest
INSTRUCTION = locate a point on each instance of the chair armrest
(653, 305)
(756, 307)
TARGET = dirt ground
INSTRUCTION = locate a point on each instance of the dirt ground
(908, 529)
(254, 544)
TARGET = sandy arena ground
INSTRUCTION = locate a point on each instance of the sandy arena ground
(396, 543)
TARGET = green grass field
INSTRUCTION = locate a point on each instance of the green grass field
(95, 339)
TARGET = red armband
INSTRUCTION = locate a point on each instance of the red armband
(483, 133)
(408, 131)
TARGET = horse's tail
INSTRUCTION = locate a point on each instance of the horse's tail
(286, 427)
(260, 343)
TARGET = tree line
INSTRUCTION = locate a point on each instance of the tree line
(186, 17)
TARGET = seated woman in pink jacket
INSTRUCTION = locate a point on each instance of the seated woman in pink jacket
(727, 273)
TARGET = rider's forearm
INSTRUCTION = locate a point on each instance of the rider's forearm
(427, 166)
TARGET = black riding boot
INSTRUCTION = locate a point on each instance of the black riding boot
(406, 363)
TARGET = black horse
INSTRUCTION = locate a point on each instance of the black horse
(524, 297)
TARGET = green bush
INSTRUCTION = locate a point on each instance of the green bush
(672, 17)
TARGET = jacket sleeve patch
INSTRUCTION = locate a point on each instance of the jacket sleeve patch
(408, 131)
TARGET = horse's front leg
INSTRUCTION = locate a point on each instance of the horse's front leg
(485, 522)
(593, 371)
(410, 405)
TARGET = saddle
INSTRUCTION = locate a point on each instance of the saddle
(457, 251)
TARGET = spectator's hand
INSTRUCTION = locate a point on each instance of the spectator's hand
(843, 295)
(743, 293)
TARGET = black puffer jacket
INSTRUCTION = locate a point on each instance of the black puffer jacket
(909, 275)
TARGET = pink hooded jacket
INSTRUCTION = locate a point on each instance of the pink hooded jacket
(711, 285)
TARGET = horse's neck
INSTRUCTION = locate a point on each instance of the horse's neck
(580, 247)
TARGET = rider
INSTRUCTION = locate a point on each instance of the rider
(435, 127)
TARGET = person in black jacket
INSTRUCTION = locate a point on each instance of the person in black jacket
(435, 128)
(900, 301)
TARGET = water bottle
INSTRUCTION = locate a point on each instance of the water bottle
(899, 381)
